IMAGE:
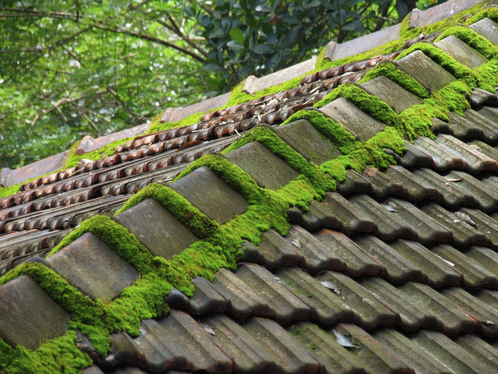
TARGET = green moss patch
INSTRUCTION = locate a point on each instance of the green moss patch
(332, 130)
(198, 223)
(277, 146)
(391, 71)
(473, 40)
(448, 63)
(58, 355)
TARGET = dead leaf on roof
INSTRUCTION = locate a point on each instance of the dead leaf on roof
(343, 340)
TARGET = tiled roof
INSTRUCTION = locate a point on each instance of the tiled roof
(394, 271)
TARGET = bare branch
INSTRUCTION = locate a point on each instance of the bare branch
(206, 9)
(178, 32)
(152, 39)
(37, 12)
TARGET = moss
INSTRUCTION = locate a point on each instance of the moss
(391, 71)
(489, 73)
(231, 174)
(473, 40)
(198, 223)
(58, 355)
(389, 47)
(369, 104)
(320, 58)
(9, 191)
(447, 62)
(277, 146)
(490, 12)
(95, 155)
(115, 236)
(333, 131)
(466, 17)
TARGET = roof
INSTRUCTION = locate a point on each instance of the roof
(348, 224)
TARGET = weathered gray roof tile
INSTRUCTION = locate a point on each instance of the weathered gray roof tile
(354, 183)
(360, 124)
(413, 157)
(206, 299)
(480, 350)
(373, 357)
(307, 141)
(437, 273)
(449, 319)
(248, 356)
(191, 337)
(474, 275)
(426, 71)
(391, 93)
(462, 234)
(485, 195)
(335, 212)
(448, 353)
(277, 251)
(156, 228)
(29, 315)
(317, 256)
(396, 268)
(409, 315)
(327, 306)
(427, 230)
(443, 158)
(243, 301)
(461, 52)
(416, 188)
(289, 354)
(485, 315)
(464, 128)
(157, 351)
(383, 185)
(388, 226)
(408, 352)
(486, 28)
(476, 160)
(369, 313)
(357, 261)
(285, 306)
(262, 165)
(485, 257)
(93, 267)
(333, 357)
(453, 195)
(215, 198)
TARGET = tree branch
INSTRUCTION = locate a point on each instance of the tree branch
(178, 32)
(152, 39)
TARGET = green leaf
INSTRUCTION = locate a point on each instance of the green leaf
(237, 35)
(237, 47)
(262, 49)
(312, 4)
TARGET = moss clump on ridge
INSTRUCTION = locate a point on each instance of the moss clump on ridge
(389, 70)
(448, 63)
(231, 174)
(276, 145)
(58, 355)
(473, 40)
(198, 223)
(333, 131)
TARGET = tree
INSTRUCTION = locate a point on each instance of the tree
(78, 67)
(260, 36)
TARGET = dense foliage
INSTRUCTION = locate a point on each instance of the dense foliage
(82, 67)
